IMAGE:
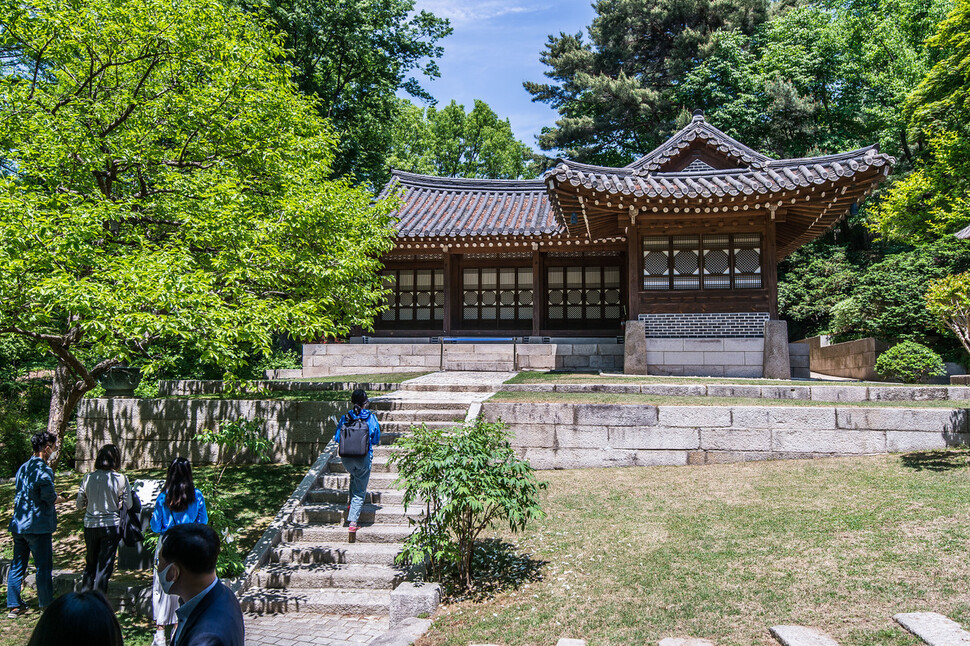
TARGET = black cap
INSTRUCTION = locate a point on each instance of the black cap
(359, 397)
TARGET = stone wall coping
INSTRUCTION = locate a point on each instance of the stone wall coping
(824, 393)
(261, 552)
(190, 387)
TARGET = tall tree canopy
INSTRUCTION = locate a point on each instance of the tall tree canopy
(820, 77)
(452, 143)
(166, 181)
(616, 93)
(354, 56)
(934, 201)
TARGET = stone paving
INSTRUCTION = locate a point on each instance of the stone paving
(303, 629)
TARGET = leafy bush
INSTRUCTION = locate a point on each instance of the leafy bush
(910, 363)
(469, 479)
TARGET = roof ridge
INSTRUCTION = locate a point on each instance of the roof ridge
(432, 181)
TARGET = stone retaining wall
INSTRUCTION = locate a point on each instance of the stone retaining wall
(852, 359)
(150, 432)
(322, 360)
(566, 436)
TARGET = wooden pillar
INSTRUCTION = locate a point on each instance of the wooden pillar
(538, 293)
(634, 279)
(450, 291)
(771, 264)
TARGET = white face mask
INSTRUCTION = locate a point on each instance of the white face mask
(163, 579)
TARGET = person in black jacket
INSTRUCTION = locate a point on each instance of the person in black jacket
(210, 614)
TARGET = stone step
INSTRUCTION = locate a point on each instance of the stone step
(377, 465)
(801, 636)
(337, 534)
(349, 553)
(385, 450)
(373, 496)
(933, 628)
(323, 601)
(418, 415)
(450, 388)
(330, 575)
(404, 428)
(382, 481)
(369, 515)
(384, 404)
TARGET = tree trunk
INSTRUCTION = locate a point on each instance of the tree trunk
(66, 392)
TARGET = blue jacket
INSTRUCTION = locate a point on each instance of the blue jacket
(375, 428)
(164, 518)
(33, 504)
(216, 621)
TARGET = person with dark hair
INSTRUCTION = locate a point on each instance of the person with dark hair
(210, 613)
(79, 619)
(357, 433)
(102, 495)
(33, 524)
(178, 503)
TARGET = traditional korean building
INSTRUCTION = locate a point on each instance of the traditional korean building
(686, 239)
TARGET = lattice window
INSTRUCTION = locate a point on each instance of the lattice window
(417, 296)
(702, 262)
(584, 295)
(497, 296)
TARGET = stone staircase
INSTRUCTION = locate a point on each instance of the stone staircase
(315, 569)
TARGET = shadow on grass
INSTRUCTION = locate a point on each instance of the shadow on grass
(942, 460)
(497, 567)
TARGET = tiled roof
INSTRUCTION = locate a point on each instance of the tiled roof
(963, 234)
(439, 206)
(774, 175)
(698, 129)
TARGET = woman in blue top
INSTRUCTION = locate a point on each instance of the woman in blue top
(358, 467)
(179, 502)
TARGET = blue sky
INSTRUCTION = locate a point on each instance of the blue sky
(495, 46)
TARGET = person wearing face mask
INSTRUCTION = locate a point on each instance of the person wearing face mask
(178, 503)
(210, 613)
(33, 524)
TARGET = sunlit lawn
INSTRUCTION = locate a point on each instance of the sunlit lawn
(255, 493)
(723, 552)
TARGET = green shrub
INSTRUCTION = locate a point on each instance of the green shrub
(469, 479)
(910, 363)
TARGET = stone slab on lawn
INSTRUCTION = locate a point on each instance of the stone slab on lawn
(685, 641)
(801, 636)
(934, 628)
(571, 642)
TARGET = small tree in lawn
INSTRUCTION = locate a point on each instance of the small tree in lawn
(234, 438)
(162, 179)
(470, 479)
(948, 299)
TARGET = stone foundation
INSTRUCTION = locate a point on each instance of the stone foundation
(323, 360)
(713, 357)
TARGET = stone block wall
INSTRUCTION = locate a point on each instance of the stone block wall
(150, 432)
(712, 357)
(852, 359)
(566, 436)
(323, 360)
(800, 356)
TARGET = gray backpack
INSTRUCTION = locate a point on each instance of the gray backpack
(354, 438)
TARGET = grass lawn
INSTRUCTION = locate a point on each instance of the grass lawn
(722, 552)
(256, 494)
(660, 400)
(554, 377)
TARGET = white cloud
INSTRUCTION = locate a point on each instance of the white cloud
(461, 12)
